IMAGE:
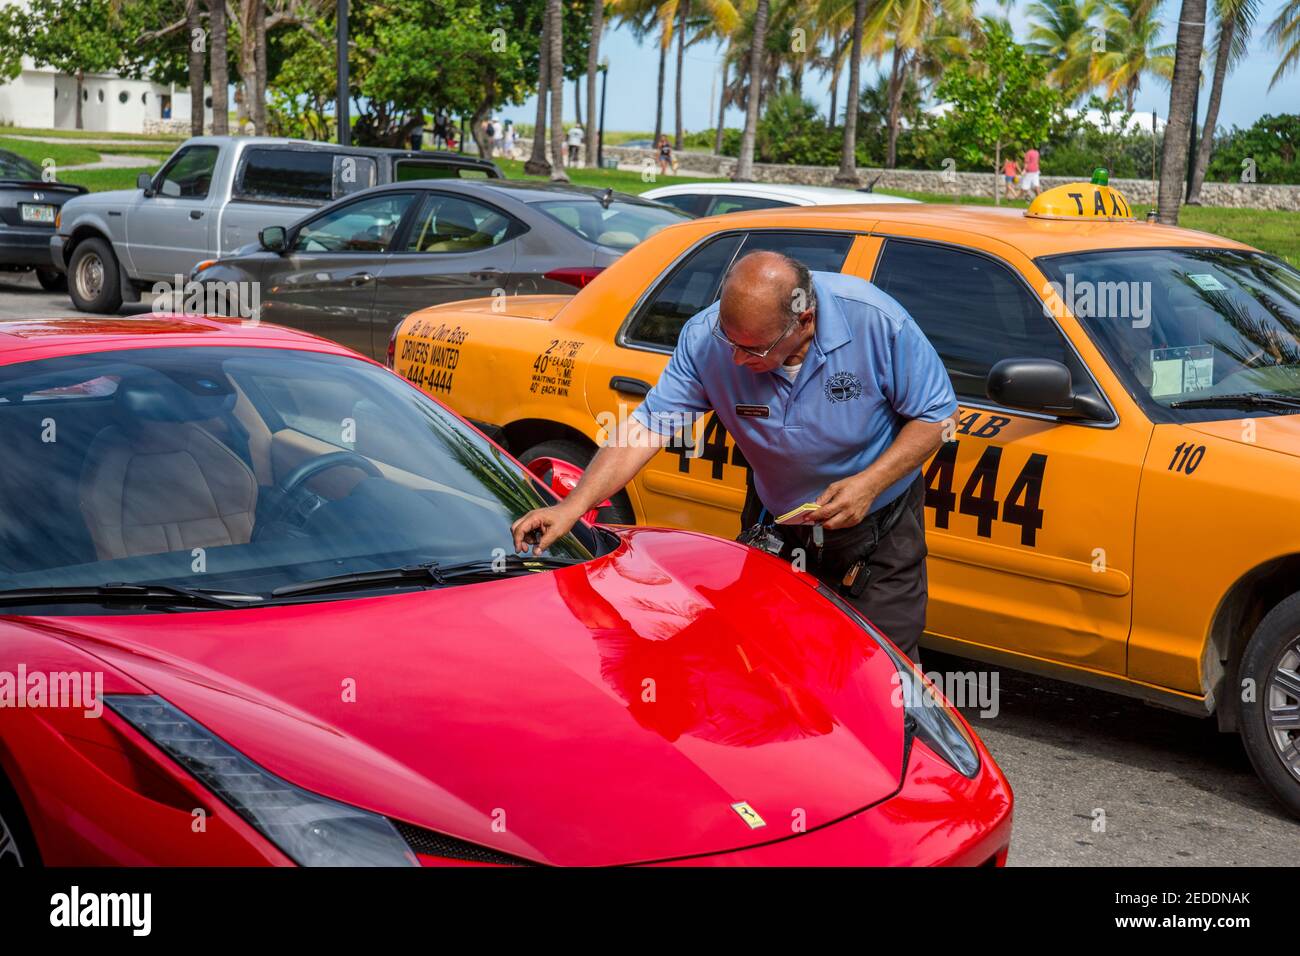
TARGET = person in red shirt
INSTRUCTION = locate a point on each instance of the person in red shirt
(1029, 178)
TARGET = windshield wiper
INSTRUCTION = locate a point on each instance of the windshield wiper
(427, 573)
(168, 595)
(1238, 399)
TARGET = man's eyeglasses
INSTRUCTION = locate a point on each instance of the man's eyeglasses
(736, 347)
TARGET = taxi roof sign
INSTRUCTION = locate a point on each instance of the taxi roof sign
(1094, 200)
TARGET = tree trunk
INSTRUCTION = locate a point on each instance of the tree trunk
(836, 66)
(722, 108)
(745, 165)
(197, 65)
(1206, 145)
(1182, 93)
(848, 171)
(997, 170)
(895, 107)
(577, 103)
(259, 58)
(659, 99)
(218, 67)
(593, 69)
(81, 83)
(537, 164)
(557, 92)
(684, 8)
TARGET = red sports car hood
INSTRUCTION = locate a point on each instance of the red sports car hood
(611, 712)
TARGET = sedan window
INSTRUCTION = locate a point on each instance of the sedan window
(726, 204)
(449, 224)
(13, 166)
(367, 225)
(620, 225)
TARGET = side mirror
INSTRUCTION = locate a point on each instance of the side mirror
(274, 239)
(1038, 385)
(144, 181)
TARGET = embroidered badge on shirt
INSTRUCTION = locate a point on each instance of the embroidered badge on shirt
(843, 386)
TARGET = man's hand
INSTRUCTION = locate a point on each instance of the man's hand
(547, 525)
(845, 502)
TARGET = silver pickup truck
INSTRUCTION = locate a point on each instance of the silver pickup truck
(212, 196)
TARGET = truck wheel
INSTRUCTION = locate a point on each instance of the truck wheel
(52, 281)
(1270, 716)
(620, 509)
(93, 277)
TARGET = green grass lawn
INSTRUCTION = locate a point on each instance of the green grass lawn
(625, 181)
(101, 180)
(63, 155)
(162, 138)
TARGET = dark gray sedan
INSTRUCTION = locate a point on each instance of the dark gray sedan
(352, 270)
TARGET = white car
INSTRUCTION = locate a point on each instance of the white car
(716, 198)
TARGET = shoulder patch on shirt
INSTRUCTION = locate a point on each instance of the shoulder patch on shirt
(843, 387)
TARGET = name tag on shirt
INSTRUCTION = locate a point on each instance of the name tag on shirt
(753, 411)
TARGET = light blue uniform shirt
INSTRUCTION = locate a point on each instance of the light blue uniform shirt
(868, 371)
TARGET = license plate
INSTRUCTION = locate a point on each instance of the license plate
(33, 213)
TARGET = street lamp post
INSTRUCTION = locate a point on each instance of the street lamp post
(604, 87)
(344, 120)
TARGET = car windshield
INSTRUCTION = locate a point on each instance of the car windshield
(243, 469)
(620, 225)
(13, 166)
(1194, 333)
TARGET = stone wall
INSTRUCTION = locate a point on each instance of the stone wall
(944, 183)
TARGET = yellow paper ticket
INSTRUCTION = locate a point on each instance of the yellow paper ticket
(804, 508)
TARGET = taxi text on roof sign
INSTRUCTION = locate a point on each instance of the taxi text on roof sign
(1094, 200)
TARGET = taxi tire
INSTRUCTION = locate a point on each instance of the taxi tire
(109, 297)
(620, 509)
(1275, 634)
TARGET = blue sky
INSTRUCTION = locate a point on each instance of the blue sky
(633, 69)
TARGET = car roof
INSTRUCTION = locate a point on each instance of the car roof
(438, 155)
(519, 189)
(813, 195)
(1032, 237)
(29, 340)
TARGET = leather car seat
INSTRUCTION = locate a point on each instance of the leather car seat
(155, 480)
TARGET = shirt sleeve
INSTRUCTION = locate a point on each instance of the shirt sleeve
(920, 388)
(678, 398)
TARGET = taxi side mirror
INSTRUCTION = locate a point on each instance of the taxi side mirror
(1038, 385)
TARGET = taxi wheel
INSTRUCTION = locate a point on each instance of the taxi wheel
(620, 509)
(1270, 724)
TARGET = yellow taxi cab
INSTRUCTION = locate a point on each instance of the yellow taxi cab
(1119, 503)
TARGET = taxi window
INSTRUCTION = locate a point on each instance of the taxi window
(979, 314)
(697, 282)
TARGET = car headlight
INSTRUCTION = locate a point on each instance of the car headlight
(931, 717)
(310, 829)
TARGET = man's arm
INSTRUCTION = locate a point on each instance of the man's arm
(609, 472)
(847, 501)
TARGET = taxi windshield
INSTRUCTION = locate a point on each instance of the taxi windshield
(242, 469)
(1194, 333)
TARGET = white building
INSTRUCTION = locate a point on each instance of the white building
(44, 98)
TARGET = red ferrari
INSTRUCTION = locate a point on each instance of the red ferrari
(259, 605)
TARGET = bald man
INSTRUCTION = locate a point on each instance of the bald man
(834, 396)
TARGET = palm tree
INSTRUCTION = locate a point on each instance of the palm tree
(593, 62)
(1131, 28)
(1182, 97)
(1062, 31)
(193, 26)
(1284, 33)
(219, 68)
(555, 10)
(848, 171)
(745, 165)
(537, 164)
(1236, 18)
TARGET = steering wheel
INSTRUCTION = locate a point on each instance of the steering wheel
(292, 484)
